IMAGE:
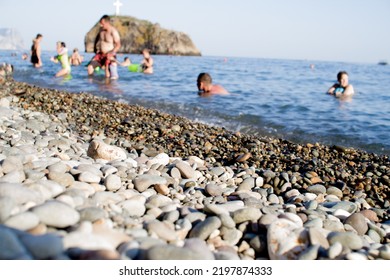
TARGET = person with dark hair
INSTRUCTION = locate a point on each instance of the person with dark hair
(62, 58)
(126, 62)
(76, 59)
(36, 59)
(205, 85)
(342, 88)
(107, 44)
(147, 62)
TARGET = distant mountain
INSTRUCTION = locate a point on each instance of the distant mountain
(138, 34)
(10, 39)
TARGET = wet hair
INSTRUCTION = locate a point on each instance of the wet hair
(39, 35)
(340, 74)
(106, 18)
(205, 78)
(62, 44)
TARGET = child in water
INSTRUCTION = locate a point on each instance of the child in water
(342, 88)
(62, 58)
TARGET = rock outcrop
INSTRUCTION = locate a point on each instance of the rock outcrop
(138, 34)
(10, 39)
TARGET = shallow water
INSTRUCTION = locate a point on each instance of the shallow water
(282, 98)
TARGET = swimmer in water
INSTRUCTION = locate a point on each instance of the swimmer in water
(206, 87)
(342, 88)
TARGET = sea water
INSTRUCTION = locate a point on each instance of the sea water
(268, 97)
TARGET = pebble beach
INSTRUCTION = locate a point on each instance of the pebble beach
(83, 177)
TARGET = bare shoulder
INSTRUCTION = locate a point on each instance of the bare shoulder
(218, 89)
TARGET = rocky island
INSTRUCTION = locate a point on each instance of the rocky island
(10, 39)
(137, 34)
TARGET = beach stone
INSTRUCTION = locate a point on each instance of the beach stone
(273, 199)
(56, 214)
(334, 191)
(358, 222)
(185, 169)
(341, 214)
(345, 205)
(58, 167)
(309, 253)
(161, 189)
(246, 214)
(143, 182)
(266, 219)
(162, 230)
(232, 206)
(48, 188)
(23, 221)
(285, 240)
(108, 169)
(87, 241)
(89, 177)
(333, 225)
(18, 193)
(347, 239)
(231, 235)
(369, 214)
(217, 171)
(213, 189)
(317, 189)
(11, 248)
(112, 182)
(7, 205)
(202, 230)
(134, 208)
(162, 159)
(259, 182)
(374, 235)
(16, 176)
(216, 209)
(64, 179)
(11, 163)
(175, 173)
(199, 247)
(384, 252)
(4, 102)
(160, 201)
(100, 150)
(92, 214)
(105, 198)
(335, 250)
(318, 238)
(170, 252)
(315, 222)
(247, 185)
(43, 247)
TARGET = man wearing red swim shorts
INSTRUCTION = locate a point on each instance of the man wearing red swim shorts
(107, 44)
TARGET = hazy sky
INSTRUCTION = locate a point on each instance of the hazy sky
(334, 30)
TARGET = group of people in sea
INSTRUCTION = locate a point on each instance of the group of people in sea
(107, 45)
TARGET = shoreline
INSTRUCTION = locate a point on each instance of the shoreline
(266, 179)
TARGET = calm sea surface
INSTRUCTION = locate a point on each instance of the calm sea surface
(282, 98)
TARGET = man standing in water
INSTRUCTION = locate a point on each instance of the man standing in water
(107, 44)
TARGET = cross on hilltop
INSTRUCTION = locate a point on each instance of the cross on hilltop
(117, 5)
